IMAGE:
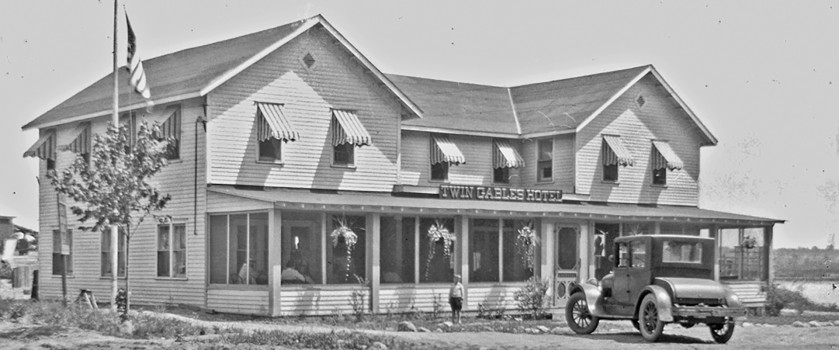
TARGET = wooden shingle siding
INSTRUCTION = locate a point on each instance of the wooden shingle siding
(416, 163)
(563, 164)
(237, 301)
(335, 81)
(177, 180)
(659, 119)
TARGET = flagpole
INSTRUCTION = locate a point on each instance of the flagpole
(115, 120)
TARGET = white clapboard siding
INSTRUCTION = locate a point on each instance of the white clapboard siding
(237, 301)
(478, 171)
(335, 81)
(751, 294)
(318, 300)
(177, 180)
(421, 297)
(659, 119)
(563, 164)
(493, 297)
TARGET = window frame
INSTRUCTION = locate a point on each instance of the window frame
(277, 146)
(58, 253)
(609, 170)
(659, 177)
(540, 164)
(227, 239)
(106, 251)
(349, 149)
(170, 251)
(178, 114)
(505, 172)
(446, 169)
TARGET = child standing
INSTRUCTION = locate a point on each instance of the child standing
(456, 299)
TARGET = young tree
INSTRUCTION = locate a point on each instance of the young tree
(112, 188)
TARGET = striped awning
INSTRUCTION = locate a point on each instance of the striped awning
(44, 148)
(614, 152)
(273, 123)
(81, 140)
(346, 128)
(172, 126)
(663, 156)
(506, 156)
(444, 150)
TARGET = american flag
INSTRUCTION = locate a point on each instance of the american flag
(135, 66)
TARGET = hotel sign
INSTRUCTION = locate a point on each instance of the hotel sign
(488, 193)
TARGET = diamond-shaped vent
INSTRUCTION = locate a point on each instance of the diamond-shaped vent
(640, 101)
(308, 60)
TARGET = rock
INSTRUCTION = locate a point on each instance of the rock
(557, 330)
(543, 329)
(423, 330)
(438, 330)
(747, 324)
(800, 324)
(758, 324)
(378, 346)
(447, 324)
(814, 323)
(406, 326)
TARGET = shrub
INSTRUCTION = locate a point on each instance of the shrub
(531, 298)
(778, 298)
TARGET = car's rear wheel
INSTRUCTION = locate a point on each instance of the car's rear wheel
(649, 320)
(579, 319)
(722, 332)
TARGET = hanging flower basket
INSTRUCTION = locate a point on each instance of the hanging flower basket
(350, 239)
(527, 241)
(438, 232)
(748, 242)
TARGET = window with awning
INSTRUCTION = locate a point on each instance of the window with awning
(665, 157)
(272, 129)
(347, 133)
(81, 143)
(442, 154)
(614, 153)
(44, 148)
(506, 156)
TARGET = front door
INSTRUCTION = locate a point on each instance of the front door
(567, 262)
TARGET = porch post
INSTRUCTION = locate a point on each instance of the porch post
(462, 258)
(584, 253)
(546, 251)
(374, 259)
(769, 272)
(274, 260)
(714, 231)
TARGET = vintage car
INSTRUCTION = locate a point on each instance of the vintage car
(657, 279)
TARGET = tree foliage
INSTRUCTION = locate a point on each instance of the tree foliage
(113, 188)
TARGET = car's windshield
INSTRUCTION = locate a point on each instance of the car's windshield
(684, 252)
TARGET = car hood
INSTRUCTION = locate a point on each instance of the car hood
(694, 288)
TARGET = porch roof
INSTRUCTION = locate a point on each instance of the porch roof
(388, 203)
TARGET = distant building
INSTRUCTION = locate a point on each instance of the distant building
(306, 140)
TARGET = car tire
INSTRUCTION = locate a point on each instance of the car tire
(579, 319)
(722, 332)
(649, 321)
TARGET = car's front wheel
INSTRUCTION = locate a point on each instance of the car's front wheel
(579, 319)
(722, 332)
(648, 319)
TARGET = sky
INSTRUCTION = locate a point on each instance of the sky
(763, 76)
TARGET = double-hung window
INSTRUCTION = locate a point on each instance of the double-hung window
(443, 153)
(57, 257)
(347, 133)
(544, 165)
(171, 250)
(105, 261)
(272, 129)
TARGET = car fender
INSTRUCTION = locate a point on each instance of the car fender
(731, 299)
(662, 301)
(593, 297)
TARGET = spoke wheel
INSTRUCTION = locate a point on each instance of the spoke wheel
(579, 319)
(648, 319)
(722, 332)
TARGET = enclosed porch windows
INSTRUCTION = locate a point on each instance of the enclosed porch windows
(493, 253)
(742, 254)
(239, 249)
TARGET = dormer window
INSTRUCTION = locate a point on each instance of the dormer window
(504, 157)
(614, 154)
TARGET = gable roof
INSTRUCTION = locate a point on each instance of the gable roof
(525, 111)
(195, 72)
